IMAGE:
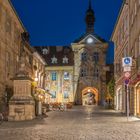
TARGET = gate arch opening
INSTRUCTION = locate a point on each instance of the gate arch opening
(90, 96)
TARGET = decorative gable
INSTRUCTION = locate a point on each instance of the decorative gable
(90, 39)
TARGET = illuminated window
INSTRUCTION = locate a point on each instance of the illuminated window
(66, 76)
(66, 94)
(53, 94)
(54, 76)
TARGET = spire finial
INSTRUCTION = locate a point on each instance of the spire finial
(90, 4)
(90, 19)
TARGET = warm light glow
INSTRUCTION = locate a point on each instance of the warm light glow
(88, 90)
(36, 79)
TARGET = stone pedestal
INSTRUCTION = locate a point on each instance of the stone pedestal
(21, 105)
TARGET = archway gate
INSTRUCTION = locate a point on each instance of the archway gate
(90, 91)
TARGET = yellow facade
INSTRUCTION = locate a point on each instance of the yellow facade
(61, 86)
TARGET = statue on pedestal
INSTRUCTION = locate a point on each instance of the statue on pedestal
(22, 105)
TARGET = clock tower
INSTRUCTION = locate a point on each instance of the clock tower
(89, 65)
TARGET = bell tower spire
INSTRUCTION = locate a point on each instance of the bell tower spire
(90, 4)
(90, 19)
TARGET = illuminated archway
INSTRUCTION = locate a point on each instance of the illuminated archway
(90, 90)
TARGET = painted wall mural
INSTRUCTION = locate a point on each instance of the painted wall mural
(59, 84)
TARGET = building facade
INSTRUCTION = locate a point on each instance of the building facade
(14, 43)
(120, 38)
(134, 41)
(127, 43)
(10, 39)
(77, 73)
(58, 72)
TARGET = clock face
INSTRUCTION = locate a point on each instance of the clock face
(89, 40)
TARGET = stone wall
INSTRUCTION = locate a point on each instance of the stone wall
(10, 30)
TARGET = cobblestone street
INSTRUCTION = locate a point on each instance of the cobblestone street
(79, 123)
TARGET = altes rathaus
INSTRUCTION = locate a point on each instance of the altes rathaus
(77, 73)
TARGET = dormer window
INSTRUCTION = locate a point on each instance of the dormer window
(65, 60)
(45, 51)
(54, 60)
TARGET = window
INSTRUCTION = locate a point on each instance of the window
(132, 17)
(54, 76)
(8, 61)
(66, 76)
(45, 51)
(96, 73)
(66, 94)
(8, 23)
(54, 60)
(84, 56)
(53, 94)
(65, 60)
(83, 72)
(125, 51)
(96, 57)
(135, 8)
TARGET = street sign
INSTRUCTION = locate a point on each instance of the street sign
(126, 69)
(127, 61)
(127, 74)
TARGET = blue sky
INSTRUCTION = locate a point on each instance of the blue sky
(60, 22)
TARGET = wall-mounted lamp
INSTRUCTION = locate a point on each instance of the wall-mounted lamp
(36, 79)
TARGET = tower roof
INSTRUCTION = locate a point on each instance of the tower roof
(90, 19)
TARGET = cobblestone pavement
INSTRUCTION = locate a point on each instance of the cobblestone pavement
(79, 123)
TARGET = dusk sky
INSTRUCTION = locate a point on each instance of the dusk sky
(60, 22)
